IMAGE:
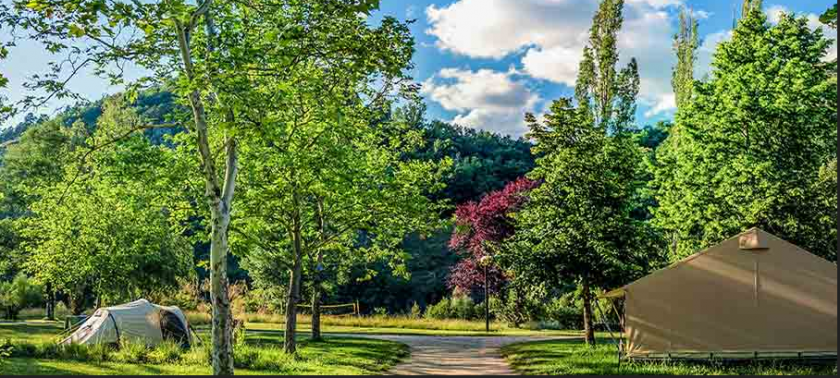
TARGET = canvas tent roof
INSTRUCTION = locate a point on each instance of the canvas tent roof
(754, 292)
(138, 321)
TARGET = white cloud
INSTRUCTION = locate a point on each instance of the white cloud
(550, 36)
(558, 64)
(666, 104)
(497, 28)
(486, 99)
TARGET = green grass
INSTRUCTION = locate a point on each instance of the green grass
(393, 330)
(261, 354)
(31, 330)
(390, 324)
(573, 357)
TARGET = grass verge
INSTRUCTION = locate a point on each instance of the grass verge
(261, 354)
(573, 357)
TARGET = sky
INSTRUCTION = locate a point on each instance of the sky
(485, 63)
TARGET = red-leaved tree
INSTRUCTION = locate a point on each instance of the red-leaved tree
(479, 226)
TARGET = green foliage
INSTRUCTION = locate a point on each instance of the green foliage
(111, 218)
(564, 316)
(130, 352)
(166, 352)
(18, 294)
(415, 311)
(686, 42)
(748, 149)
(830, 17)
(458, 307)
(483, 162)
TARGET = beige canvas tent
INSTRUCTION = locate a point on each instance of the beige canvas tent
(752, 294)
(139, 321)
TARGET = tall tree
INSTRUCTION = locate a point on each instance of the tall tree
(578, 223)
(752, 142)
(320, 169)
(213, 54)
(686, 43)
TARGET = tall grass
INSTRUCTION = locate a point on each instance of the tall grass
(368, 321)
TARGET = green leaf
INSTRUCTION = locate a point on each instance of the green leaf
(76, 31)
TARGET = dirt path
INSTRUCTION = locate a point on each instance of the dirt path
(455, 355)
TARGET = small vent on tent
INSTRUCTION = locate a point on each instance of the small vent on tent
(752, 240)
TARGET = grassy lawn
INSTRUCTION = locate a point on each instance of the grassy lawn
(572, 357)
(389, 324)
(428, 331)
(261, 354)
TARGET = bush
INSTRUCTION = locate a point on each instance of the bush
(18, 294)
(439, 311)
(463, 307)
(564, 317)
(415, 311)
(197, 355)
(460, 307)
(130, 352)
(165, 353)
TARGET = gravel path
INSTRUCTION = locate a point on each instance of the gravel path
(454, 355)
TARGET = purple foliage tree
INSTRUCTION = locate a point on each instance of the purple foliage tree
(479, 227)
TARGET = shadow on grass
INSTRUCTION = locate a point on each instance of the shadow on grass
(571, 357)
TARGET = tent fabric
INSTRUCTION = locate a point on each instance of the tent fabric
(139, 321)
(752, 293)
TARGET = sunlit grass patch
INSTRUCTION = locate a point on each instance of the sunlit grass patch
(573, 357)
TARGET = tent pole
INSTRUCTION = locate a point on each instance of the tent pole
(606, 323)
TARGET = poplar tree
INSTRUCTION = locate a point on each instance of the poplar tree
(578, 224)
(686, 43)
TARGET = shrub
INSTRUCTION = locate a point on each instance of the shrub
(245, 356)
(18, 294)
(415, 311)
(165, 353)
(440, 310)
(381, 311)
(130, 352)
(564, 317)
(197, 355)
(463, 307)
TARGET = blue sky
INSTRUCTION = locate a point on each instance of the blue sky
(484, 63)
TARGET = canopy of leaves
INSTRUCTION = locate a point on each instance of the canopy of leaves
(115, 229)
(748, 149)
(480, 227)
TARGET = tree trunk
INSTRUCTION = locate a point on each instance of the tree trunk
(219, 199)
(316, 282)
(289, 345)
(50, 302)
(589, 334)
(222, 327)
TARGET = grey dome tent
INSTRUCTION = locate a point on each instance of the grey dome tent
(140, 321)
